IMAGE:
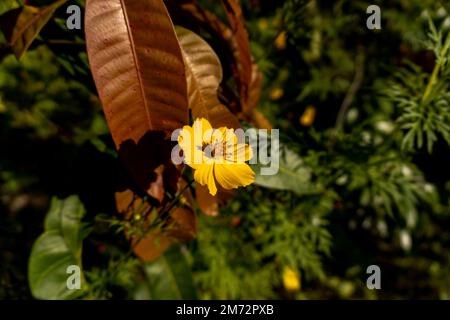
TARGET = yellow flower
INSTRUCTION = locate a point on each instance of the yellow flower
(216, 155)
(291, 280)
(308, 117)
(280, 41)
(276, 94)
(263, 24)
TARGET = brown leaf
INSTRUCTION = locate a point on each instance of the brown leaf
(249, 78)
(186, 196)
(204, 75)
(152, 246)
(157, 187)
(182, 228)
(260, 120)
(139, 73)
(150, 165)
(190, 11)
(242, 50)
(208, 203)
(255, 88)
(124, 201)
(129, 203)
(231, 52)
(22, 25)
(183, 225)
(183, 221)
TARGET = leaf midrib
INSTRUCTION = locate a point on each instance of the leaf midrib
(136, 63)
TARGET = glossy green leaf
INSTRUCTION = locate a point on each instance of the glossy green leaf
(59, 247)
(292, 175)
(170, 277)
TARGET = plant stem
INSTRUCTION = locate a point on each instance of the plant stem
(433, 78)
(353, 89)
(166, 210)
(350, 95)
(437, 68)
(178, 197)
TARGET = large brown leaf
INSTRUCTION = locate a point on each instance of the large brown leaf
(242, 50)
(235, 51)
(140, 77)
(251, 113)
(204, 75)
(247, 73)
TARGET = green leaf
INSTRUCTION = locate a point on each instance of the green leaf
(293, 174)
(170, 278)
(6, 5)
(59, 247)
(22, 25)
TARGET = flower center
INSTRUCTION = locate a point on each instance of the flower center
(214, 150)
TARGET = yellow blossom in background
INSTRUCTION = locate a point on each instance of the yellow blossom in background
(263, 24)
(291, 280)
(216, 156)
(308, 117)
(2, 106)
(276, 94)
(280, 41)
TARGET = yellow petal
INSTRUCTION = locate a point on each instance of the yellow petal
(229, 136)
(217, 136)
(239, 153)
(205, 176)
(192, 148)
(232, 175)
(291, 280)
(202, 130)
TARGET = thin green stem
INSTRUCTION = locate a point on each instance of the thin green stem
(178, 197)
(166, 210)
(437, 69)
(431, 82)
